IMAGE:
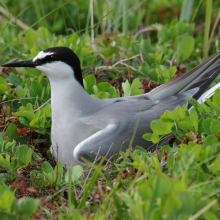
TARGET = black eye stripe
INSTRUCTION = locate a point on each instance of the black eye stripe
(47, 59)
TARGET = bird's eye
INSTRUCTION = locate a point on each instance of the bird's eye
(53, 56)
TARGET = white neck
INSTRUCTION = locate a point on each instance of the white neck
(69, 97)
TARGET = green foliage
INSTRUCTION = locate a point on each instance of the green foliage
(174, 182)
(3, 85)
(180, 33)
(174, 30)
(77, 172)
(11, 208)
(27, 207)
(193, 125)
(102, 90)
(133, 89)
(53, 175)
(41, 119)
(23, 155)
(6, 199)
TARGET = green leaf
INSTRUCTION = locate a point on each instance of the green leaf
(160, 127)
(95, 90)
(126, 88)
(14, 79)
(90, 82)
(207, 125)
(170, 161)
(27, 112)
(104, 86)
(155, 138)
(126, 198)
(12, 132)
(58, 172)
(74, 40)
(35, 123)
(155, 162)
(147, 136)
(215, 127)
(162, 183)
(23, 154)
(102, 95)
(21, 92)
(144, 191)
(48, 171)
(210, 140)
(3, 85)
(194, 118)
(37, 87)
(110, 51)
(186, 126)
(216, 167)
(145, 46)
(213, 105)
(136, 84)
(46, 167)
(85, 52)
(171, 206)
(27, 207)
(6, 198)
(186, 46)
(113, 92)
(172, 72)
(24, 121)
(77, 172)
(187, 201)
(216, 97)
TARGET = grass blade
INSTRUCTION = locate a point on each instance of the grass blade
(91, 183)
(208, 15)
(186, 10)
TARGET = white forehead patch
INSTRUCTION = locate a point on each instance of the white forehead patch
(42, 55)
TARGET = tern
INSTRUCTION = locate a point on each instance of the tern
(83, 124)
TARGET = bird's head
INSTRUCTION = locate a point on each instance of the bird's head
(56, 62)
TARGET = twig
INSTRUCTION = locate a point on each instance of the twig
(141, 56)
(111, 67)
(200, 212)
(135, 70)
(43, 105)
(14, 20)
(149, 28)
(213, 30)
(120, 61)
(13, 172)
(100, 156)
(171, 61)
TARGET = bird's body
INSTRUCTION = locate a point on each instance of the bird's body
(82, 124)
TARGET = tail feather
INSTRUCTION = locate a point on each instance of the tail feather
(206, 81)
(208, 93)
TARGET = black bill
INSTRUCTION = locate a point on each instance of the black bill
(25, 63)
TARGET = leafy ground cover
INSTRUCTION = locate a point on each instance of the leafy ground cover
(176, 181)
